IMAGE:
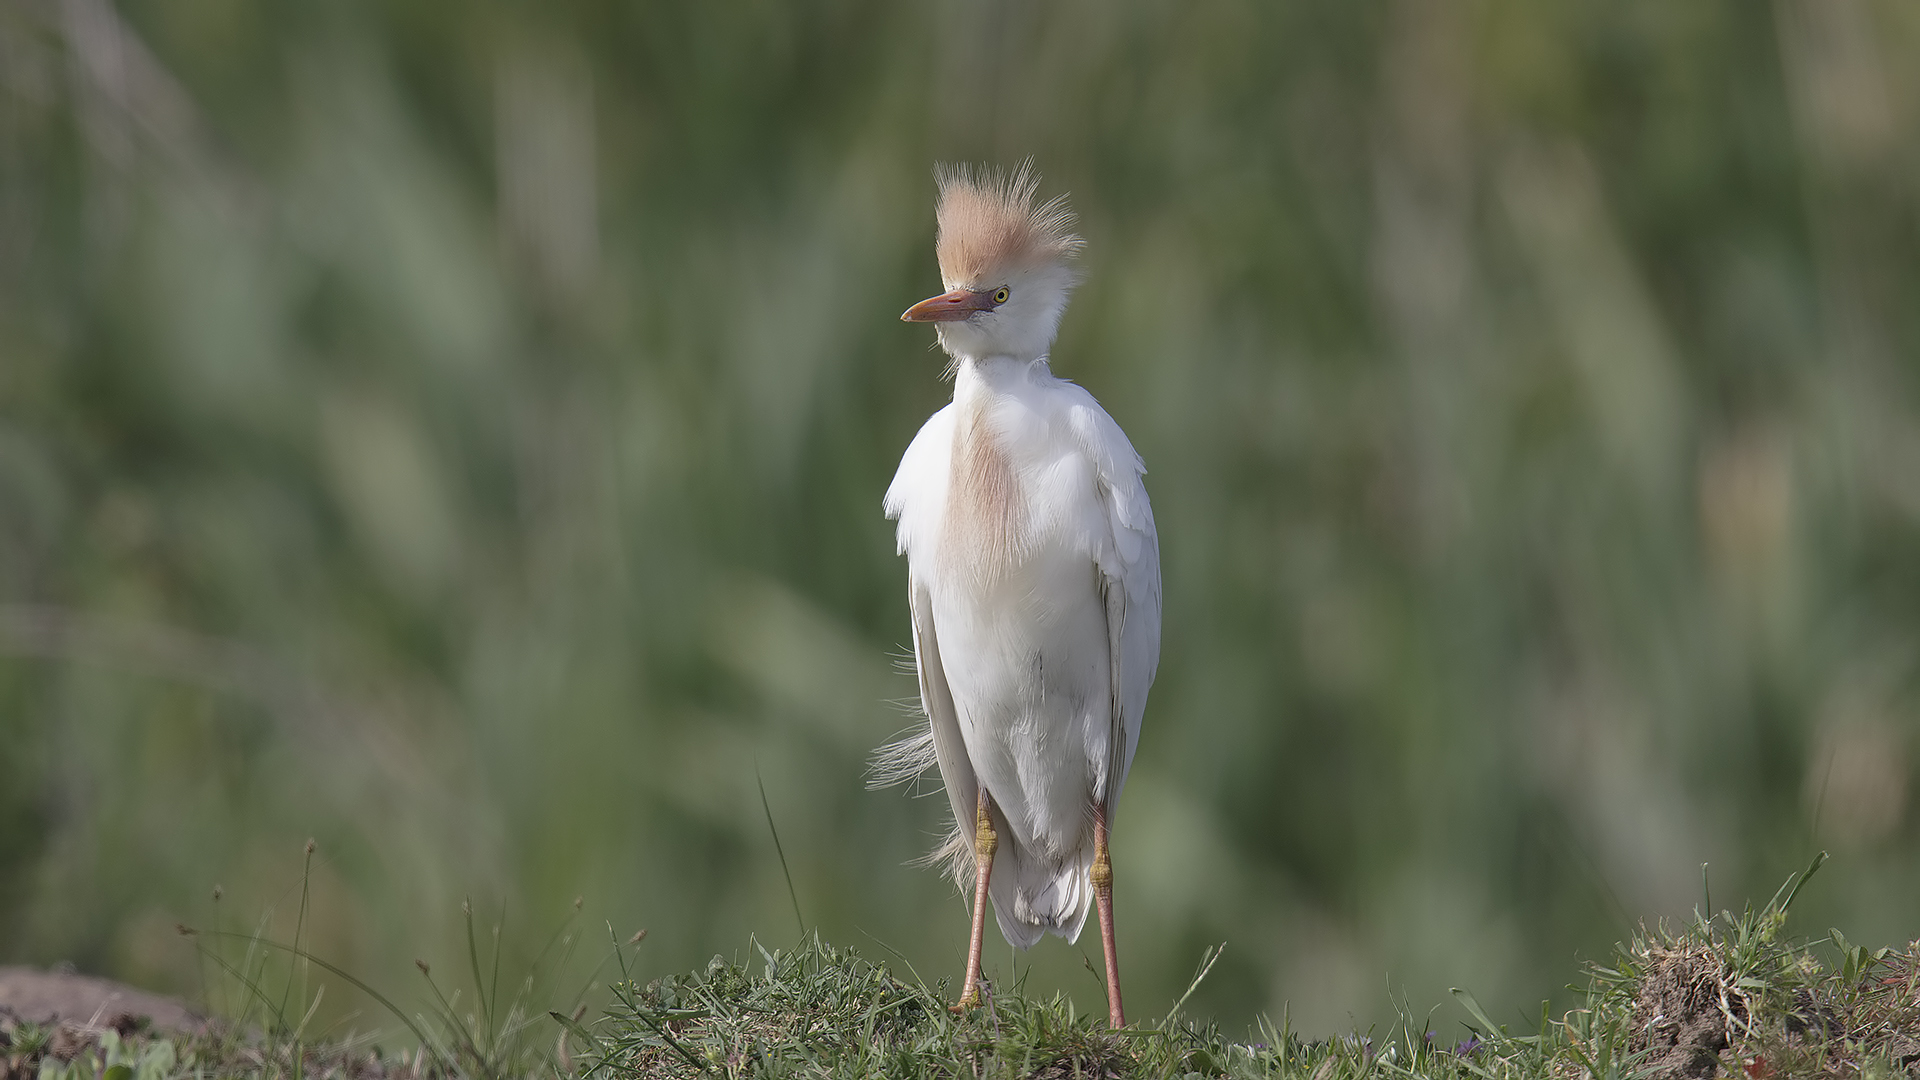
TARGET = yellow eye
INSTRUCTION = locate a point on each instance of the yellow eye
(1001, 296)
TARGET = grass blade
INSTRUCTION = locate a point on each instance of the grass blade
(792, 894)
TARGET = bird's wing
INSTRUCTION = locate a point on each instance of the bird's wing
(1128, 558)
(943, 724)
(917, 499)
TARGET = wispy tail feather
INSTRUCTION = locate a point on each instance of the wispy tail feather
(957, 852)
(904, 759)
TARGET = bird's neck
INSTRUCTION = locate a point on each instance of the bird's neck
(976, 377)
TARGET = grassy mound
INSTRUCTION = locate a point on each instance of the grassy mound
(1727, 995)
(1724, 997)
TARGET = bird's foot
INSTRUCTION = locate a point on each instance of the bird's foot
(976, 996)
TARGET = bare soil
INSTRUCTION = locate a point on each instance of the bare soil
(28, 995)
(1682, 1015)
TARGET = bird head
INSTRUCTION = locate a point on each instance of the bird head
(1006, 263)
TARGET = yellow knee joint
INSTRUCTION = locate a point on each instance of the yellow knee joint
(985, 840)
(1101, 873)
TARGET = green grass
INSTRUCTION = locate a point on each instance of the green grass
(1727, 995)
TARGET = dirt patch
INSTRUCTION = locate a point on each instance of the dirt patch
(28, 995)
(1684, 1014)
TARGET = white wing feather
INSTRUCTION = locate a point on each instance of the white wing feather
(919, 488)
(1129, 567)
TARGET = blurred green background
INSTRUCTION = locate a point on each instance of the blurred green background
(456, 432)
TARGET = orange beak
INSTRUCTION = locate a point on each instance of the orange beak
(949, 306)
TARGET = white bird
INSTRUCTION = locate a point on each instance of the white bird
(1033, 575)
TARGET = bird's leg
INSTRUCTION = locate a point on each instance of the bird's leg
(985, 842)
(1101, 875)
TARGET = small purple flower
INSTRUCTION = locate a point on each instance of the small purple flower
(1468, 1046)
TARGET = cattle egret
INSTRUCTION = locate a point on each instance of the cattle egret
(1033, 577)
